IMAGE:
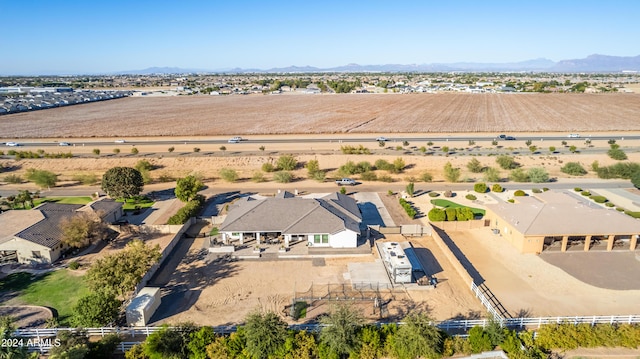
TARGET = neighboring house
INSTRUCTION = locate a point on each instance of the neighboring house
(34, 236)
(560, 220)
(331, 221)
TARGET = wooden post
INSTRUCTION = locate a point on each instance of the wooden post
(633, 242)
(565, 241)
(610, 240)
(587, 243)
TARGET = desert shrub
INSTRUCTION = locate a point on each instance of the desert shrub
(609, 204)
(497, 188)
(384, 165)
(351, 168)
(411, 212)
(624, 170)
(510, 200)
(507, 162)
(319, 176)
(385, 178)
(96, 151)
(134, 151)
(479, 340)
(519, 193)
(451, 174)
(480, 187)
(451, 214)
(519, 175)
(368, 176)
(491, 174)
(166, 178)
(464, 214)
(573, 169)
(228, 174)
(536, 190)
(343, 190)
(85, 178)
(283, 177)
(13, 179)
(436, 215)
(471, 197)
(585, 193)
(352, 150)
(171, 149)
(268, 167)
(448, 194)
(617, 154)
(426, 177)
(287, 163)
(74, 265)
(538, 175)
(258, 177)
(620, 209)
(599, 199)
(577, 189)
(434, 194)
(474, 166)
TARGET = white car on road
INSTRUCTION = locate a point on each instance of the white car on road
(345, 181)
(573, 135)
(119, 141)
(383, 139)
(12, 144)
(235, 139)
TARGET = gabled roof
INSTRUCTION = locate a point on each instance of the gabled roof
(555, 213)
(47, 231)
(293, 215)
(104, 205)
(12, 222)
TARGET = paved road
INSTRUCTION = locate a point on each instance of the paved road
(329, 138)
(309, 186)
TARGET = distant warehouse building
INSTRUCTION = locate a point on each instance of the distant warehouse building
(562, 221)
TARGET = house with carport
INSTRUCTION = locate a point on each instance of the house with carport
(330, 221)
(562, 221)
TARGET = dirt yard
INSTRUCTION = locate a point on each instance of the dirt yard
(224, 292)
(526, 284)
(387, 113)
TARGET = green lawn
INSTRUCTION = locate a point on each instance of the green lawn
(138, 201)
(58, 290)
(64, 200)
(448, 204)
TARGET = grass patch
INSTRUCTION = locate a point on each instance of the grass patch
(448, 204)
(214, 231)
(59, 290)
(130, 204)
(62, 200)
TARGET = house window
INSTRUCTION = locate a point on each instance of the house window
(36, 254)
(321, 238)
(235, 234)
(325, 238)
(316, 238)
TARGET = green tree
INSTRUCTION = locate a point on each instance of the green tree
(312, 166)
(573, 149)
(480, 187)
(410, 189)
(120, 272)
(398, 165)
(24, 197)
(169, 343)
(287, 163)
(82, 229)
(198, 342)
(143, 165)
(474, 166)
(96, 309)
(122, 182)
(528, 143)
(340, 333)
(265, 333)
(42, 178)
(451, 174)
(533, 149)
(73, 345)
(445, 149)
(96, 151)
(302, 345)
(552, 149)
(479, 340)
(7, 328)
(134, 151)
(187, 188)
(105, 347)
(418, 338)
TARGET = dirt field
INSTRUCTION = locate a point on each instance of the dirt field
(369, 113)
(527, 285)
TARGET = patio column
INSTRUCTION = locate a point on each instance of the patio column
(587, 243)
(287, 238)
(565, 241)
(610, 240)
(224, 238)
(633, 242)
(241, 237)
(258, 238)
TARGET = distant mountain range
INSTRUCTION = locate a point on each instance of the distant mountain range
(592, 63)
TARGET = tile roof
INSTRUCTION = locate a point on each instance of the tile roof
(294, 215)
(47, 231)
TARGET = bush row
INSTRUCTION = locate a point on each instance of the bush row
(411, 212)
(451, 214)
(189, 210)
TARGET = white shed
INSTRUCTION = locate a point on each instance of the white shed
(142, 307)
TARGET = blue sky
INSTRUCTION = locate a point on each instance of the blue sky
(43, 37)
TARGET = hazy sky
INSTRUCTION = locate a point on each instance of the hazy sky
(87, 36)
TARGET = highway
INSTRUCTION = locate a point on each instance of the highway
(324, 139)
